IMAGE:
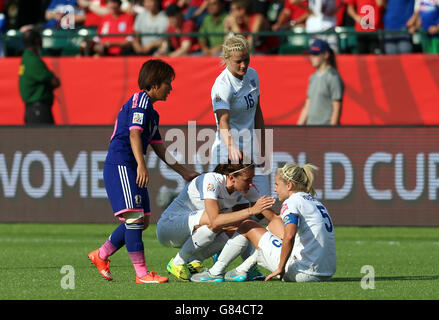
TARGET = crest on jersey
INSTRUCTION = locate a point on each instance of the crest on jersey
(138, 199)
(211, 187)
(253, 82)
(138, 118)
(217, 98)
(284, 208)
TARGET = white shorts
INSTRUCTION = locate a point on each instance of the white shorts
(269, 256)
(174, 228)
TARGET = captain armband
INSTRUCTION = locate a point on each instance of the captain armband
(290, 218)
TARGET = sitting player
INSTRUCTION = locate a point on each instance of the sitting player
(299, 245)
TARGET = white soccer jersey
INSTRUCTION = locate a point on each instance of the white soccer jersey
(209, 185)
(314, 244)
(241, 98)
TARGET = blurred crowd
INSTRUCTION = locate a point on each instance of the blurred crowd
(170, 27)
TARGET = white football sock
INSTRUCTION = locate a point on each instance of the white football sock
(236, 244)
(249, 262)
(248, 251)
(202, 237)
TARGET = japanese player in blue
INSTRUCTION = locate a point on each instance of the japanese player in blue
(125, 174)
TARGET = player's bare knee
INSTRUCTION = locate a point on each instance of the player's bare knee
(276, 227)
(134, 217)
(247, 225)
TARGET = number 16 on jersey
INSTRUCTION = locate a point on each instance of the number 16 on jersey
(249, 101)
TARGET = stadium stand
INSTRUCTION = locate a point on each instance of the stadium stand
(59, 41)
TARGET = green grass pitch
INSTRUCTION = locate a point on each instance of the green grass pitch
(405, 263)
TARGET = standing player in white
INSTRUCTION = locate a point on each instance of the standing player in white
(196, 219)
(236, 104)
(299, 246)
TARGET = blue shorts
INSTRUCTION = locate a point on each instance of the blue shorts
(123, 192)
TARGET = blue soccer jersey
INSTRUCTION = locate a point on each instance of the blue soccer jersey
(138, 113)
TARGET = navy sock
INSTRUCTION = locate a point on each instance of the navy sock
(117, 238)
(133, 236)
(134, 244)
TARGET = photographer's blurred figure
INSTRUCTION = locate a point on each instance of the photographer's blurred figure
(36, 81)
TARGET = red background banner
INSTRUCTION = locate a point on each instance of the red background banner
(379, 90)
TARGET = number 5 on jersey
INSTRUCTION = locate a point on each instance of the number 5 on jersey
(325, 215)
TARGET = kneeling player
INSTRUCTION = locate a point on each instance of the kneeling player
(196, 220)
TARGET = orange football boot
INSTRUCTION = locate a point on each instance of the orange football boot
(102, 265)
(151, 277)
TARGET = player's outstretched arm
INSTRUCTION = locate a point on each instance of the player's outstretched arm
(287, 247)
(218, 221)
(169, 159)
(224, 127)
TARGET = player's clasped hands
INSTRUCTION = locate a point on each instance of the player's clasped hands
(262, 204)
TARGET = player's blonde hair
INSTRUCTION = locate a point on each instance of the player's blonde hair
(301, 176)
(234, 43)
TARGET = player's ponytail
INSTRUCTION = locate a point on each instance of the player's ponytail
(301, 176)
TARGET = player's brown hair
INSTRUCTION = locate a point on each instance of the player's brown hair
(153, 73)
(233, 168)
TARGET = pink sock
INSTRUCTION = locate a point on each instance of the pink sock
(138, 260)
(106, 250)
